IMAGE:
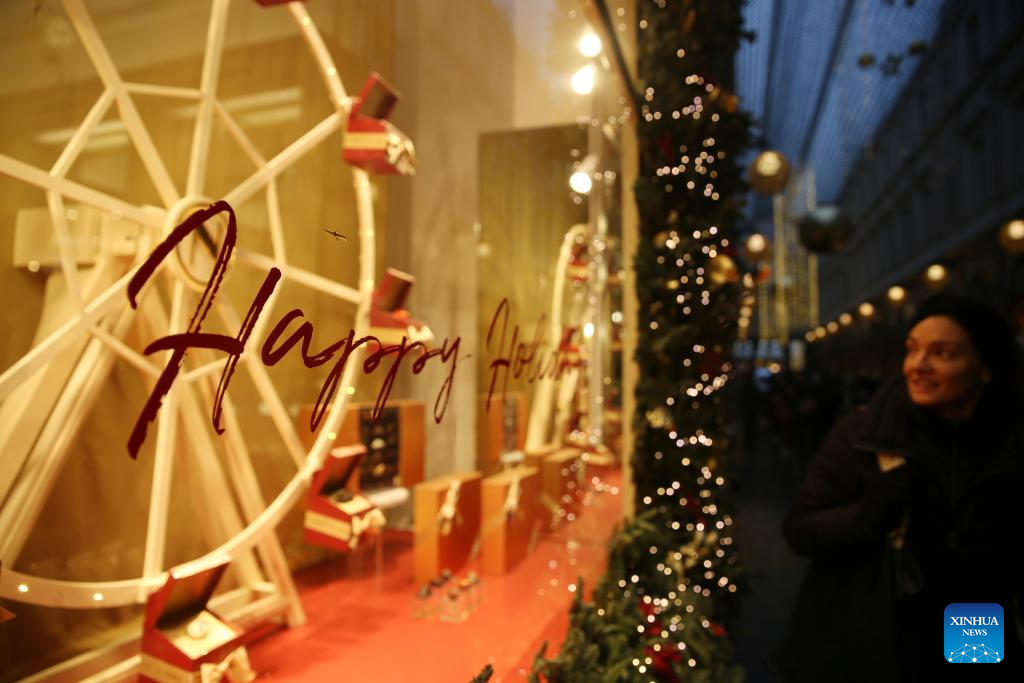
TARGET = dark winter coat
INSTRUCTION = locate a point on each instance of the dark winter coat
(859, 616)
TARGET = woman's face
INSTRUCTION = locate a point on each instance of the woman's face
(942, 368)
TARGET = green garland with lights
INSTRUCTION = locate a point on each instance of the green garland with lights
(660, 611)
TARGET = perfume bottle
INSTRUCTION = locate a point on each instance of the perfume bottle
(423, 606)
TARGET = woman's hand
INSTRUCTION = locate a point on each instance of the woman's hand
(886, 498)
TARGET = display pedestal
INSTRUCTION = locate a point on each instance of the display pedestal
(510, 517)
(446, 515)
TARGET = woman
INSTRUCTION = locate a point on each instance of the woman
(915, 501)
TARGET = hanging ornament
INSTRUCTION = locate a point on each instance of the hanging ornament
(722, 270)
(725, 99)
(936, 275)
(756, 247)
(768, 172)
(1011, 237)
(825, 229)
(658, 418)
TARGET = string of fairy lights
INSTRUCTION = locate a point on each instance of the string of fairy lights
(934, 277)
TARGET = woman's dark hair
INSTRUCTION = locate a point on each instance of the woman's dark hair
(989, 332)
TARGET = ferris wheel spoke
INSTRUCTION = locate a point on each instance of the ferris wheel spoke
(323, 57)
(284, 159)
(208, 88)
(276, 224)
(127, 353)
(163, 463)
(240, 136)
(247, 486)
(55, 203)
(64, 335)
(204, 474)
(300, 275)
(265, 388)
(87, 195)
(162, 91)
(108, 73)
(46, 460)
(70, 153)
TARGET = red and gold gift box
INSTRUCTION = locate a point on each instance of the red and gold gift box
(336, 516)
(561, 480)
(181, 634)
(510, 517)
(446, 514)
(389, 321)
(373, 143)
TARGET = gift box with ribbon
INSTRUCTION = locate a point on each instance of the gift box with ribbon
(373, 143)
(509, 518)
(184, 641)
(446, 514)
(389, 321)
(337, 516)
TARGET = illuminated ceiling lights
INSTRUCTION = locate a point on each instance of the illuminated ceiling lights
(1011, 237)
(866, 309)
(589, 45)
(581, 181)
(845, 319)
(583, 80)
(896, 294)
(936, 274)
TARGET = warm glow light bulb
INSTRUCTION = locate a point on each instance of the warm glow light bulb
(768, 163)
(936, 272)
(866, 309)
(583, 80)
(589, 45)
(1015, 230)
(588, 330)
(756, 243)
(845, 319)
(896, 294)
(832, 326)
(580, 182)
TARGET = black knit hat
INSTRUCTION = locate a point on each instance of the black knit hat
(989, 332)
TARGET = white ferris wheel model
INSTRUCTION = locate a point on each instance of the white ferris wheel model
(102, 316)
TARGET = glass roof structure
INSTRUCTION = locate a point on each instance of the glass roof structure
(802, 80)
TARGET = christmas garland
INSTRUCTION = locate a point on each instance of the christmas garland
(673, 579)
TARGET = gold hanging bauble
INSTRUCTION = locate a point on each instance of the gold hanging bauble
(1011, 237)
(756, 247)
(658, 418)
(769, 172)
(721, 270)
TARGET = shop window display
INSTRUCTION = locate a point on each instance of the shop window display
(272, 178)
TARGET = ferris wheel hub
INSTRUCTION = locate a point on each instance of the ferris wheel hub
(194, 258)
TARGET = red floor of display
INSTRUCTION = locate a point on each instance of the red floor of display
(361, 626)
